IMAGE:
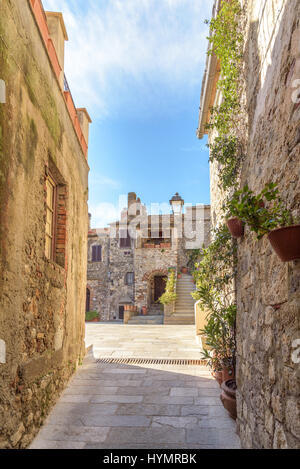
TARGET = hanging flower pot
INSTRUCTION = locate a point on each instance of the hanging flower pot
(184, 270)
(286, 242)
(236, 227)
(228, 397)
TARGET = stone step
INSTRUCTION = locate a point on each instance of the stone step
(179, 319)
(136, 320)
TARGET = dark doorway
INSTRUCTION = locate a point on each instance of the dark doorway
(88, 300)
(159, 287)
(121, 312)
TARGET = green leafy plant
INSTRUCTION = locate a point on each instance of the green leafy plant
(90, 315)
(226, 42)
(169, 296)
(253, 210)
(227, 152)
(214, 277)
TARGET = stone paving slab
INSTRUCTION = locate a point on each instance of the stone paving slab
(139, 406)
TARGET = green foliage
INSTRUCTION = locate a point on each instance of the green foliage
(194, 256)
(214, 276)
(169, 296)
(226, 42)
(90, 315)
(252, 209)
(227, 151)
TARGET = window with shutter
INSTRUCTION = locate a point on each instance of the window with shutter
(125, 241)
(96, 253)
(129, 279)
(50, 217)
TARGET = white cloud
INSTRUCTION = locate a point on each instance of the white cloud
(103, 214)
(99, 180)
(128, 53)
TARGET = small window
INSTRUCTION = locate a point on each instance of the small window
(125, 241)
(96, 253)
(50, 217)
(129, 279)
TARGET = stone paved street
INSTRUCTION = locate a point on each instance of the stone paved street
(139, 406)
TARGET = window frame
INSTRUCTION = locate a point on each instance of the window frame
(124, 243)
(95, 248)
(126, 278)
(53, 210)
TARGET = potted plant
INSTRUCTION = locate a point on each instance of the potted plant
(169, 296)
(235, 226)
(91, 316)
(275, 221)
(179, 275)
(184, 270)
(228, 397)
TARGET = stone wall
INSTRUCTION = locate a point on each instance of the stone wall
(268, 291)
(106, 279)
(268, 319)
(41, 301)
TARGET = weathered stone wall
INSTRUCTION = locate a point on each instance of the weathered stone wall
(41, 303)
(268, 290)
(97, 274)
(268, 318)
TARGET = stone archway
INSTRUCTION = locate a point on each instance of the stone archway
(155, 285)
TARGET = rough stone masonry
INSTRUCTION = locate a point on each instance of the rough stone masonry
(43, 223)
(268, 291)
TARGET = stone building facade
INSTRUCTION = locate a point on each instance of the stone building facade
(132, 270)
(43, 220)
(268, 290)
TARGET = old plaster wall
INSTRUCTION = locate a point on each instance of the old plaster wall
(41, 303)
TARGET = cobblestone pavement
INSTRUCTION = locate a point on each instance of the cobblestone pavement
(139, 406)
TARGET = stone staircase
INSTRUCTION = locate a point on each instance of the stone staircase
(184, 306)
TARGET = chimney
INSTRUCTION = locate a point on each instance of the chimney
(58, 34)
(131, 198)
(84, 121)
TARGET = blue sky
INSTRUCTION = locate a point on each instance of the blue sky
(137, 66)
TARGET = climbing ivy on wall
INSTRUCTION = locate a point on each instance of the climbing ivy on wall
(227, 44)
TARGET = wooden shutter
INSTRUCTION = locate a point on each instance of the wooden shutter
(96, 253)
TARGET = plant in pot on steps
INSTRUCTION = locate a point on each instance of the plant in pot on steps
(169, 296)
(266, 214)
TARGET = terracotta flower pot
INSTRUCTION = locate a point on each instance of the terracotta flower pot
(179, 276)
(184, 270)
(286, 242)
(218, 377)
(228, 397)
(236, 227)
(227, 373)
(144, 310)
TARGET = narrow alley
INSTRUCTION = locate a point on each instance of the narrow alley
(147, 405)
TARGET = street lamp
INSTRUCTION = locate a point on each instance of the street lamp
(176, 203)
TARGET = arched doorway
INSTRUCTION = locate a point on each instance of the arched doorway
(88, 300)
(159, 287)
